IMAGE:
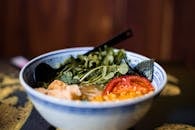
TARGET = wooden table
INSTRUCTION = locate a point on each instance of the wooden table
(176, 104)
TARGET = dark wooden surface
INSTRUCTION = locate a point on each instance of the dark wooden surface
(163, 29)
(178, 108)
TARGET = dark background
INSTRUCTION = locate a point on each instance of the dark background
(163, 29)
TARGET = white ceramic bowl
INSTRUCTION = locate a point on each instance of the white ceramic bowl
(75, 115)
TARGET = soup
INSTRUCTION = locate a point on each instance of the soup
(104, 75)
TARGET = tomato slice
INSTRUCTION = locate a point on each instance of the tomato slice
(128, 83)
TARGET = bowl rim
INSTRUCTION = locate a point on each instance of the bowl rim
(86, 104)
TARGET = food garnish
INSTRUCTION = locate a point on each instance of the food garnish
(108, 74)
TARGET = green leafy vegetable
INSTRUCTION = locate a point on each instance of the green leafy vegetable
(97, 68)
